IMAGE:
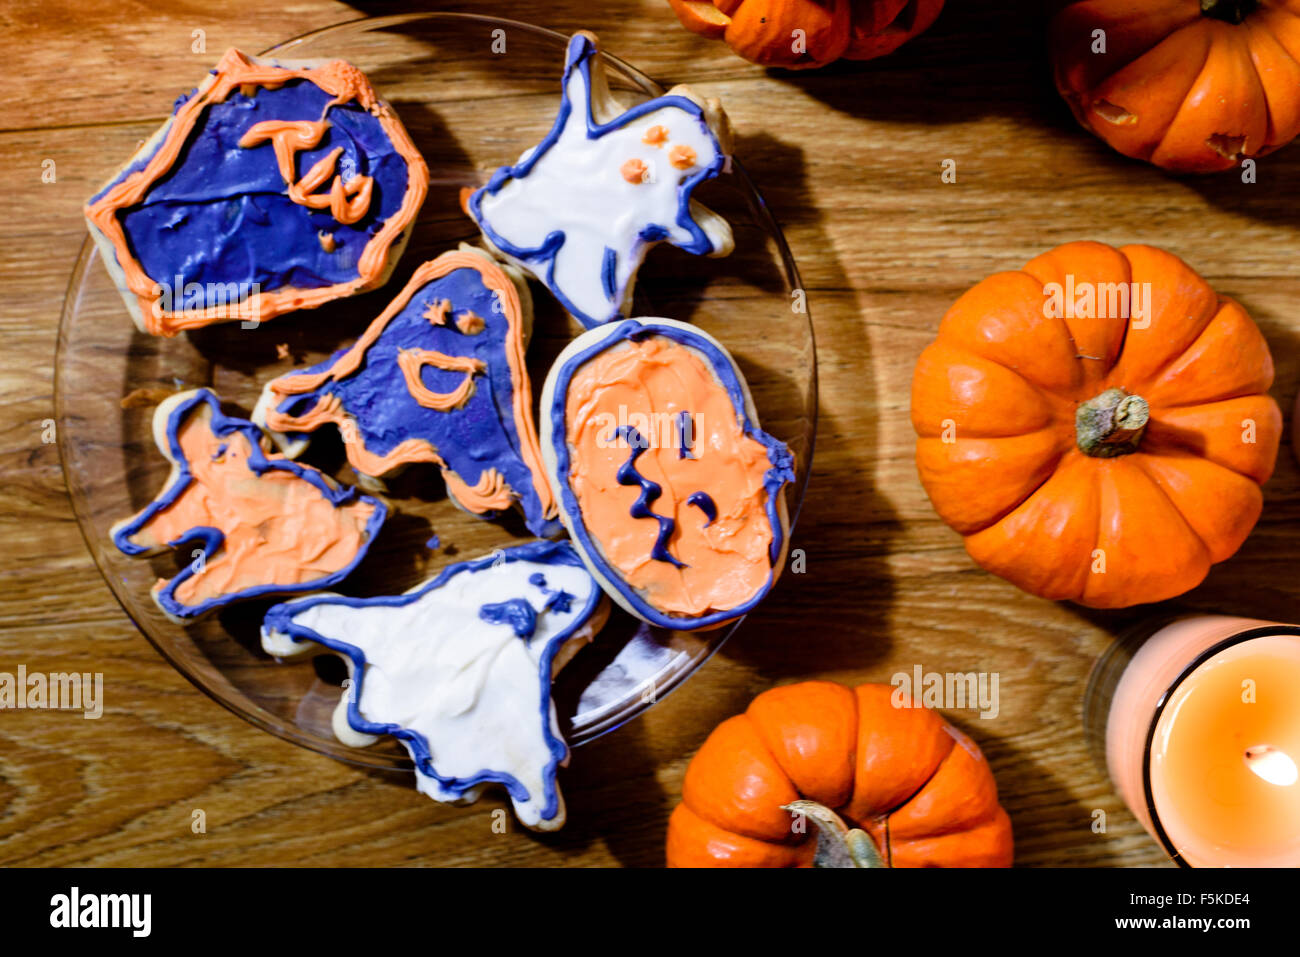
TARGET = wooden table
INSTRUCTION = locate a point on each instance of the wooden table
(850, 159)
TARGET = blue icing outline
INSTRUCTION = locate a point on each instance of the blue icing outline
(780, 457)
(385, 413)
(280, 619)
(579, 54)
(212, 538)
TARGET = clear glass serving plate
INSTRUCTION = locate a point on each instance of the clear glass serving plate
(473, 92)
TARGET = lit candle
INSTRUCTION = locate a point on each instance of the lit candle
(1202, 741)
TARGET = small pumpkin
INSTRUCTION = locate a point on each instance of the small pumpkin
(881, 781)
(799, 34)
(1096, 424)
(1190, 85)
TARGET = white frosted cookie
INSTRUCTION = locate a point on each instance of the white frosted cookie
(459, 670)
(580, 209)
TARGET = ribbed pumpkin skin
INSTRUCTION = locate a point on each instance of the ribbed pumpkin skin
(994, 399)
(1181, 89)
(920, 788)
(763, 31)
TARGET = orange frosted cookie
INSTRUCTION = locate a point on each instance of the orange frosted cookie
(267, 525)
(673, 494)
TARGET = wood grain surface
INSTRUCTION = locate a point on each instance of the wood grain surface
(850, 160)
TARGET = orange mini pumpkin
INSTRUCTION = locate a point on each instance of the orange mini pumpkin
(798, 34)
(882, 784)
(1096, 425)
(1190, 85)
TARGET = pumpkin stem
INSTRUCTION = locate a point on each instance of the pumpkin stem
(1111, 424)
(837, 844)
(1229, 11)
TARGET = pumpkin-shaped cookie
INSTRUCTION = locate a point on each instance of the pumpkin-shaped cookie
(819, 773)
(1096, 424)
(673, 494)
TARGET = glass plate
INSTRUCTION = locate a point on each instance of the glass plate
(473, 92)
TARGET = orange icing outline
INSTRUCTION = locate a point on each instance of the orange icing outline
(412, 361)
(330, 409)
(235, 71)
(491, 494)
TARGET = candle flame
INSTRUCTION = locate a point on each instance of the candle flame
(1274, 766)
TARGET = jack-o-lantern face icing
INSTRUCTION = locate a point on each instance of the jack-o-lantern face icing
(671, 491)
(273, 187)
(438, 377)
(581, 208)
(267, 525)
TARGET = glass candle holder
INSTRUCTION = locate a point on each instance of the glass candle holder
(1198, 720)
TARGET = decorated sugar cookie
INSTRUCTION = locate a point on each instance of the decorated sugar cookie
(438, 377)
(581, 208)
(459, 670)
(266, 525)
(673, 494)
(273, 187)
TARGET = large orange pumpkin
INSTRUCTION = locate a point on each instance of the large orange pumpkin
(841, 758)
(798, 34)
(1109, 455)
(1191, 85)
